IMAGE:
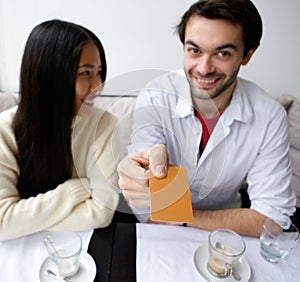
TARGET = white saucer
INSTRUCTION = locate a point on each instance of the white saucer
(200, 261)
(86, 273)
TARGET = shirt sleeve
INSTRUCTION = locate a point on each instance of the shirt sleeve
(270, 175)
(147, 121)
(142, 214)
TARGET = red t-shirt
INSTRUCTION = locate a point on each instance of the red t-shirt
(208, 125)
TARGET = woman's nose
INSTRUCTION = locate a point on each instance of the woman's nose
(95, 82)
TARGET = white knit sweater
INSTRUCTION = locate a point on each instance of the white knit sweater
(86, 201)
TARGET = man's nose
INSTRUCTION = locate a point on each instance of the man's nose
(205, 65)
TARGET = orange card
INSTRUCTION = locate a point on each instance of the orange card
(170, 198)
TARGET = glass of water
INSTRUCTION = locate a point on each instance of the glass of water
(275, 242)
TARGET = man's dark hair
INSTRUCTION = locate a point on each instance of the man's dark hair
(241, 12)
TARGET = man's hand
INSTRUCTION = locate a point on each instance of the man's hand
(134, 174)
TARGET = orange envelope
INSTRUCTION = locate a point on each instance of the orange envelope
(170, 198)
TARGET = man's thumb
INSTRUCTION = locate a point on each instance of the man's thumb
(159, 157)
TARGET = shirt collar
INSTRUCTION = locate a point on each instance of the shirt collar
(240, 108)
(184, 106)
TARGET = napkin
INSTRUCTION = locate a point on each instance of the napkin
(20, 259)
(165, 253)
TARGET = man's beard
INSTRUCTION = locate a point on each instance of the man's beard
(198, 93)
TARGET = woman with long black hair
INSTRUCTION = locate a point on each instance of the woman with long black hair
(57, 165)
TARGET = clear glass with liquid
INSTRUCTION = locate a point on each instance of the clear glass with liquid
(275, 242)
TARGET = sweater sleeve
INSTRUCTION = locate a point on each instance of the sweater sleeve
(80, 203)
(19, 217)
(96, 154)
(93, 213)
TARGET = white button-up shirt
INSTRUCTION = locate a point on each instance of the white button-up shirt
(250, 141)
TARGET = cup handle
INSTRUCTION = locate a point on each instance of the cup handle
(230, 271)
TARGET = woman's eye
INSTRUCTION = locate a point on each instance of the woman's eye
(86, 73)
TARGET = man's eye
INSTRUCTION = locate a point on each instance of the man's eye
(193, 50)
(99, 73)
(223, 53)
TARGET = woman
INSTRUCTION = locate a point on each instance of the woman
(57, 168)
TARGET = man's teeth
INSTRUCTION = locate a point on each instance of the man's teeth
(206, 81)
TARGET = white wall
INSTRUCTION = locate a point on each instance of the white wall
(136, 34)
(275, 64)
(139, 35)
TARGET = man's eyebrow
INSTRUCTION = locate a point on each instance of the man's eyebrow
(227, 46)
(224, 46)
(190, 42)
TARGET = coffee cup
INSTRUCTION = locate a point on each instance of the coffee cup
(225, 247)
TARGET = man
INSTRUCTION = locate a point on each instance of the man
(222, 128)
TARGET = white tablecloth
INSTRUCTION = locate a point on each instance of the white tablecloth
(20, 259)
(165, 254)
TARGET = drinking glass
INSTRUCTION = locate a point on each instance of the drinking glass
(64, 249)
(275, 242)
(225, 248)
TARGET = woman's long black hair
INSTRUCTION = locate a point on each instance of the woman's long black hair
(47, 93)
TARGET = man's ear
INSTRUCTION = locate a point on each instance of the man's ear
(247, 58)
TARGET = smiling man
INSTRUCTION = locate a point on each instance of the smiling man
(222, 128)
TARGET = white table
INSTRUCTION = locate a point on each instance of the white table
(165, 254)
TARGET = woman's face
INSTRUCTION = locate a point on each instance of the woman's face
(88, 79)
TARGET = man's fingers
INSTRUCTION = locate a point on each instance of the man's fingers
(134, 174)
(133, 177)
(134, 186)
(137, 200)
(159, 157)
(134, 168)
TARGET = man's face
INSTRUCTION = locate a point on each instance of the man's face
(213, 53)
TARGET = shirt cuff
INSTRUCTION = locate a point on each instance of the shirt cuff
(142, 214)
